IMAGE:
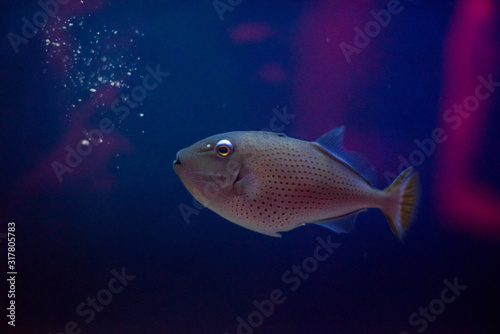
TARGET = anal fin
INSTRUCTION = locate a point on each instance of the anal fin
(342, 224)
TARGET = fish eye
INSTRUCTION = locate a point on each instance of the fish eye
(224, 148)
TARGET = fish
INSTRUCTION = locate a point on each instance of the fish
(270, 183)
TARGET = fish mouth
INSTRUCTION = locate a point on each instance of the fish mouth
(203, 176)
(199, 175)
(177, 160)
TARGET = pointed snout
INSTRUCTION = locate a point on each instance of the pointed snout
(177, 164)
(177, 160)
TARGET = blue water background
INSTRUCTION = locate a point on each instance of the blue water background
(199, 277)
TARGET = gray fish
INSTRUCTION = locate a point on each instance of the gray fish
(271, 183)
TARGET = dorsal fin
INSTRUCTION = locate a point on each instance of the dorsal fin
(332, 143)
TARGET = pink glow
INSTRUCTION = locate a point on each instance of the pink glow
(470, 51)
(325, 84)
(253, 32)
(272, 72)
(91, 173)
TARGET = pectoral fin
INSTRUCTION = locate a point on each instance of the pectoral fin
(245, 185)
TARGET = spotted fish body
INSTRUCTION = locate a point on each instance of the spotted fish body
(270, 183)
(297, 184)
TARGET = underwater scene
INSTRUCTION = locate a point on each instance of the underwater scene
(240, 167)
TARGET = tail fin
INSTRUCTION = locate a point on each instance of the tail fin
(401, 207)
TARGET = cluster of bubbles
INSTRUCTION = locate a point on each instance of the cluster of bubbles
(87, 53)
(92, 54)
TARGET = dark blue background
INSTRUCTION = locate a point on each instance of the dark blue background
(199, 277)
